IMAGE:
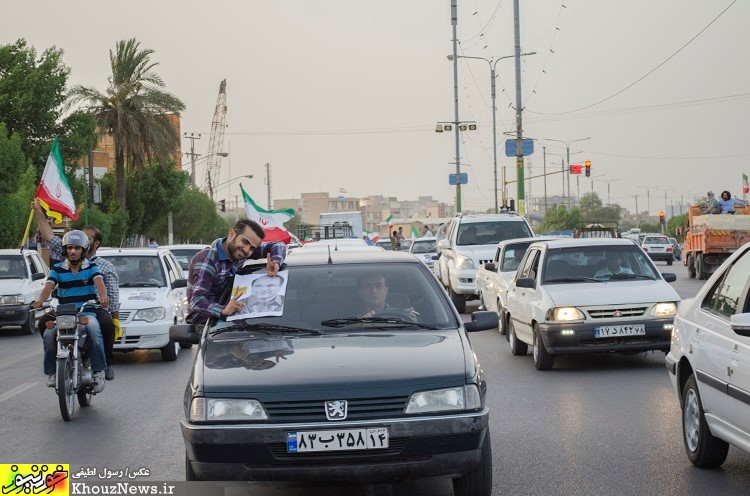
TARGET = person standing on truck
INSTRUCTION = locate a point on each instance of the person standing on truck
(713, 206)
(728, 203)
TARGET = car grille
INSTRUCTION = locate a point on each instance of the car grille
(395, 445)
(314, 411)
(482, 262)
(125, 315)
(607, 313)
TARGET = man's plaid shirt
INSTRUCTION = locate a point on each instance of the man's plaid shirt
(111, 277)
(211, 270)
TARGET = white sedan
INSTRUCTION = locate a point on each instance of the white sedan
(153, 297)
(709, 363)
(494, 277)
(589, 295)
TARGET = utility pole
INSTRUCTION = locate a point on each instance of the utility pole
(454, 23)
(544, 169)
(637, 224)
(519, 124)
(268, 184)
(192, 154)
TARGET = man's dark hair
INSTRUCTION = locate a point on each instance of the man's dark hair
(265, 276)
(241, 224)
(97, 233)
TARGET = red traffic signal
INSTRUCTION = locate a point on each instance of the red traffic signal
(575, 169)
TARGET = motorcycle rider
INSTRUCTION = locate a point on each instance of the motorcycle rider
(78, 280)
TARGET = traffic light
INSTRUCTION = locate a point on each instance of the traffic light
(223, 205)
(661, 218)
(588, 168)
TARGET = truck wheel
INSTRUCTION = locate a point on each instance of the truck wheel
(690, 266)
(458, 300)
(701, 267)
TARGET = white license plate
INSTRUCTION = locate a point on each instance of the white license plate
(337, 440)
(620, 330)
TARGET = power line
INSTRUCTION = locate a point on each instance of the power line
(645, 75)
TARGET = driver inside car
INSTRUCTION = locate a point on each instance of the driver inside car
(373, 291)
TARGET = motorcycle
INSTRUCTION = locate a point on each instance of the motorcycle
(74, 377)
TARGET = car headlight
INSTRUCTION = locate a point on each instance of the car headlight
(664, 309)
(12, 299)
(217, 409)
(440, 400)
(151, 314)
(463, 262)
(565, 314)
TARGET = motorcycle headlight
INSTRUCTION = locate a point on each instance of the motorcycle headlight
(66, 321)
(463, 262)
(12, 299)
(440, 400)
(664, 309)
(151, 314)
(218, 409)
(565, 314)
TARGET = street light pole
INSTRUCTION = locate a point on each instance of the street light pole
(492, 63)
(648, 197)
(609, 181)
(567, 150)
(454, 23)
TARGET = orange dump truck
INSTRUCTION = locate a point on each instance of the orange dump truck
(711, 238)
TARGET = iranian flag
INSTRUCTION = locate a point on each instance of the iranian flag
(390, 224)
(272, 221)
(54, 191)
(372, 236)
(745, 185)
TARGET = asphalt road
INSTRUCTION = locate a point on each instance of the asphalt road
(594, 425)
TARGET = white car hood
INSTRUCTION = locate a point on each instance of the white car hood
(609, 293)
(479, 252)
(15, 286)
(138, 298)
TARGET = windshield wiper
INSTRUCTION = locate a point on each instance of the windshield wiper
(391, 321)
(264, 326)
(140, 285)
(574, 279)
(630, 276)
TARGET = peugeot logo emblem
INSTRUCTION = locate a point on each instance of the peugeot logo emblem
(336, 410)
(617, 313)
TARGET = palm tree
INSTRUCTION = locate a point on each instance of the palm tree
(135, 111)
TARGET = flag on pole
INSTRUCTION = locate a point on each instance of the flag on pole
(745, 185)
(372, 236)
(390, 224)
(272, 221)
(54, 192)
(414, 233)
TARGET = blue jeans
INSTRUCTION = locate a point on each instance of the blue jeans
(96, 347)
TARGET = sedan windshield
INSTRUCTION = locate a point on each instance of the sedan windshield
(346, 297)
(12, 267)
(490, 233)
(597, 263)
(423, 246)
(137, 271)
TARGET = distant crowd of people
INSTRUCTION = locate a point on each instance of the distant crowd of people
(724, 205)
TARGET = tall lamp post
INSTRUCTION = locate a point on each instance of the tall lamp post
(609, 181)
(648, 197)
(567, 151)
(492, 62)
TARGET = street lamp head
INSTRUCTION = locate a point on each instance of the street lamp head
(450, 57)
(223, 154)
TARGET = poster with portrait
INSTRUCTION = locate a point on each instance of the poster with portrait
(260, 294)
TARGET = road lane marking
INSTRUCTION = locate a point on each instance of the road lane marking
(17, 390)
(20, 359)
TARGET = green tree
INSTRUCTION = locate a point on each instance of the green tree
(560, 218)
(135, 110)
(593, 209)
(200, 223)
(154, 185)
(677, 221)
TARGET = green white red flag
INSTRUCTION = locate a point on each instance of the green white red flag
(390, 224)
(54, 191)
(272, 221)
(745, 185)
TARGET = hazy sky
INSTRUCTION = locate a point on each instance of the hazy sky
(346, 93)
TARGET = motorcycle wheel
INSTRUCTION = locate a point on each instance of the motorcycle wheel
(85, 395)
(65, 393)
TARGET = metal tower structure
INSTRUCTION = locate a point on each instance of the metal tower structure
(216, 141)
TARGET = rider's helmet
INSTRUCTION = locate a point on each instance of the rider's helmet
(75, 238)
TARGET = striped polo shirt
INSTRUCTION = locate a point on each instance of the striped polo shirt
(75, 288)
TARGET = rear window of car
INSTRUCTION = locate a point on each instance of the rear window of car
(492, 232)
(423, 246)
(656, 240)
(513, 255)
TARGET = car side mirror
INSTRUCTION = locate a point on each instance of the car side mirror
(740, 324)
(482, 320)
(669, 277)
(525, 282)
(37, 276)
(179, 283)
(184, 333)
(490, 266)
(444, 244)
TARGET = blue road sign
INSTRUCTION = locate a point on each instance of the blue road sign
(510, 147)
(464, 179)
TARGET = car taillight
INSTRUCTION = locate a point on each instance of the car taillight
(645, 249)
(669, 249)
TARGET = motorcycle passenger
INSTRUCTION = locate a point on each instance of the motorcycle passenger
(78, 280)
